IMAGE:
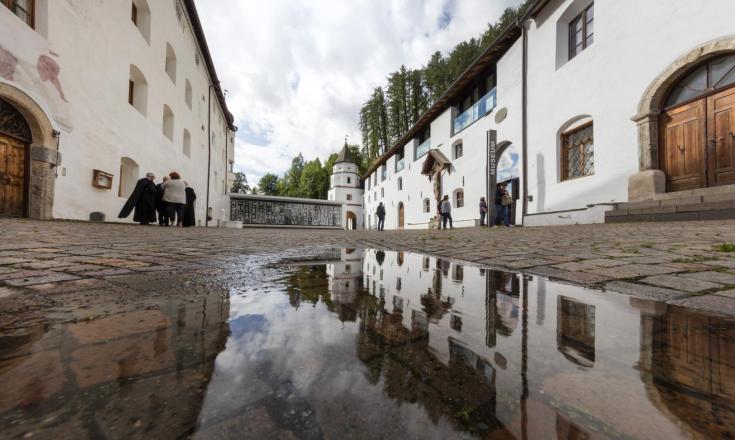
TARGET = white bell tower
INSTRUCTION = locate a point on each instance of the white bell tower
(345, 187)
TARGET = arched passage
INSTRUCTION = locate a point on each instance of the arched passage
(33, 157)
(495, 174)
(351, 222)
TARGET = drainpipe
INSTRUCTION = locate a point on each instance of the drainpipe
(209, 151)
(524, 135)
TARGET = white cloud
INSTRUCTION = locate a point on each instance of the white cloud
(298, 70)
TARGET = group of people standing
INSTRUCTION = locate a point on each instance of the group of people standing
(172, 201)
(503, 201)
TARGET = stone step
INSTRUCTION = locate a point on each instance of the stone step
(713, 205)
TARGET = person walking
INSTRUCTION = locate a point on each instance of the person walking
(503, 201)
(174, 193)
(446, 210)
(189, 217)
(483, 211)
(143, 200)
(380, 214)
(161, 206)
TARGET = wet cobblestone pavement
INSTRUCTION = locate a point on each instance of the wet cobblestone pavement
(606, 331)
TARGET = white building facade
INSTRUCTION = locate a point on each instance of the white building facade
(609, 114)
(109, 91)
(345, 186)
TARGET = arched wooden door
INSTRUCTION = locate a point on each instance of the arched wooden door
(401, 215)
(15, 136)
(698, 128)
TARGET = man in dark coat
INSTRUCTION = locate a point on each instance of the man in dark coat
(161, 205)
(143, 200)
(189, 218)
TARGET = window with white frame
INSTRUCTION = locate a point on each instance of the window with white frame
(427, 205)
(459, 198)
(458, 151)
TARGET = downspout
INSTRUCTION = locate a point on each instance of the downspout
(209, 153)
(524, 135)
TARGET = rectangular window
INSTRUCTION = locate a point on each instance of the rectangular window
(458, 152)
(131, 92)
(578, 153)
(349, 196)
(459, 199)
(23, 9)
(383, 172)
(581, 31)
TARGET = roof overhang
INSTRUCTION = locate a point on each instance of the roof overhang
(434, 157)
(488, 58)
(198, 30)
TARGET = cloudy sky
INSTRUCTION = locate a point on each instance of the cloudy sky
(297, 71)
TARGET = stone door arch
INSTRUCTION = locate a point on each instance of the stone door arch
(42, 155)
(651, 179)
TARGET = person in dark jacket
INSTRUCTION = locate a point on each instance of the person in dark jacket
(189, 217)
(161, 206)
(483, 211)
(143, 200)
(380, 213)
(501, 211)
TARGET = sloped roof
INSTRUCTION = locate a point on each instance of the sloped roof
(196, 25)
(345, 155)
(479, 67)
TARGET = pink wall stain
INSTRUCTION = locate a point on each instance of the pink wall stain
(48, 70)
(8, 62)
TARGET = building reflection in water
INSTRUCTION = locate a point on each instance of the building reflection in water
(457, 349)
(113, 377)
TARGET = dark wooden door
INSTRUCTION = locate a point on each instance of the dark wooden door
(721, 134)
(683, 153)
(12, 177)
(400, 215)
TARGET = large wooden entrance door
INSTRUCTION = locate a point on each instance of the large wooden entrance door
(698, 127)
(683, 153)
(401, 215)
(721, 133)
(12, 177)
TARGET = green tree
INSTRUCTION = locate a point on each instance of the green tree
(268, 184)
(314, 181)
(389, 113)
(292, 179)
(240, 185)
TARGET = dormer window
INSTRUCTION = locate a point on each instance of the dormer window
(581, 31)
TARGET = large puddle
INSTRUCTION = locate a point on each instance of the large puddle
(373, 344)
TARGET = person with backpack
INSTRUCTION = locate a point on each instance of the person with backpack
(446, 210)
(503, 200)
(380, 214)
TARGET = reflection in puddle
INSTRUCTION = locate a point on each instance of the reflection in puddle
(379, 344)
(138, 374)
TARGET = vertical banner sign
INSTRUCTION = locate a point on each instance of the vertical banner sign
(492, 174)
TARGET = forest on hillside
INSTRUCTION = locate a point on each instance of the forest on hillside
(390, 111)
(393, 109)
